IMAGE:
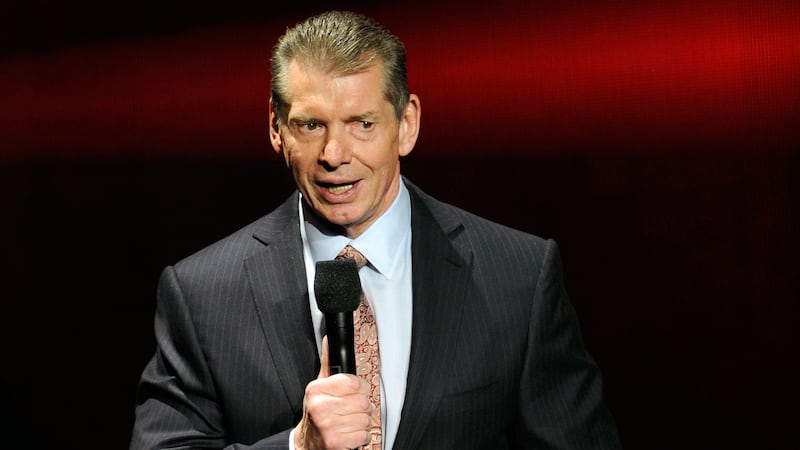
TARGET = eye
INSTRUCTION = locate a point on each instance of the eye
(311, 126)
(365, 124)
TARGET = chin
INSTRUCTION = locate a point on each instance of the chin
(338, 217)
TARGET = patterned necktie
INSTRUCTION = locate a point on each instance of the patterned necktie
(367, 356)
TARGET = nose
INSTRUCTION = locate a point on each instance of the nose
(337, 149)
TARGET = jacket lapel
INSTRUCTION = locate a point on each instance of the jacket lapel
(440, 274)
(277, 275)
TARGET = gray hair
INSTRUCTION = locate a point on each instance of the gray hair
(339, 43)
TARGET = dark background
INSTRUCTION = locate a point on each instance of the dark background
(657, 142)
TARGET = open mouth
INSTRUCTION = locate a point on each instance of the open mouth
(339, 188)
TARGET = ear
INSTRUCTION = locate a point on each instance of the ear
(409, 125)
(274, 133)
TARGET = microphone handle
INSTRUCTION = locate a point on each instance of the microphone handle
(341, 343)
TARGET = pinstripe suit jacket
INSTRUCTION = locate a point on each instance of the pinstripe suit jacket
(496, 362)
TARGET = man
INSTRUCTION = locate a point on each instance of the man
(473, 342)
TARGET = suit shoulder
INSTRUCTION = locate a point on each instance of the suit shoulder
(479, 230)
(483, 226)
(236, 247)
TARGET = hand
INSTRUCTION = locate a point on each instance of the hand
(336, 411)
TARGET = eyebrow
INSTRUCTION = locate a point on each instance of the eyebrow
(369, 115)
(303, 118)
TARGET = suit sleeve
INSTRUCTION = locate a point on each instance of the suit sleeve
(177, 404)
(561, 402)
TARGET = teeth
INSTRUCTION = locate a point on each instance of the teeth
(340, 189)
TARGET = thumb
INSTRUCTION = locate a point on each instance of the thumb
(324, 369)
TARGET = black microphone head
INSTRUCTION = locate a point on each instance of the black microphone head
(337, 286)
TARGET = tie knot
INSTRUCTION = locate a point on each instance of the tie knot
(350, 252)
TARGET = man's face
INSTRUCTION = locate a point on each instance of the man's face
(343, 142)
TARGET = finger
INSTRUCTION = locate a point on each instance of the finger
(340, 385)
(354, 440)
(353, 404)
(324, 370)
(343, 431)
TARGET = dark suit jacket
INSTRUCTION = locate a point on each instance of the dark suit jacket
(496, 362)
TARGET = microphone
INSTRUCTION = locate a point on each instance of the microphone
(338, 291)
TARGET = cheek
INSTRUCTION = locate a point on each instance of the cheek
(286, 151)
(299, 161)
(291, 153)
(387, 160)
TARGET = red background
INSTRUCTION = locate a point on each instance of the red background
(656, 141)
(588, 76)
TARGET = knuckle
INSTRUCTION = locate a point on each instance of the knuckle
(323, 424)
(365, 403)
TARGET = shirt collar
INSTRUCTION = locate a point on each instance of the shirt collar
(382, 243)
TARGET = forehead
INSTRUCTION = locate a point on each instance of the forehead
(312, 90)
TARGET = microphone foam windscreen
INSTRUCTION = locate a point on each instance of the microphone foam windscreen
(337, 286)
